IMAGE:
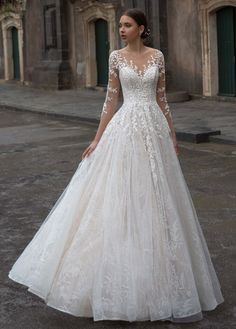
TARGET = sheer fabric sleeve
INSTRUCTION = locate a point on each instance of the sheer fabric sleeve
(161, 88)
(113, 86)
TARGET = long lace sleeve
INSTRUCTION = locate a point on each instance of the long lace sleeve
(161, 98)
(161, 88)
(112, 95)
(113, 87)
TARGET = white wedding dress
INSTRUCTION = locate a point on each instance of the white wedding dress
(123, 241)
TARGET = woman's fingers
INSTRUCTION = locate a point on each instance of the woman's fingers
(87, 151)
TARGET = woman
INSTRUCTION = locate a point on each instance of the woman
(123, 241)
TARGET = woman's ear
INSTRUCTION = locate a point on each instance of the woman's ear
(141, 29)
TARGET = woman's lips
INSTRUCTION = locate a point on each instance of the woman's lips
(123, 36)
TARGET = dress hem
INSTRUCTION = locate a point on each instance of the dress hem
(169, 319)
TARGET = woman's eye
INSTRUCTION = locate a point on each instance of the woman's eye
(126, 25)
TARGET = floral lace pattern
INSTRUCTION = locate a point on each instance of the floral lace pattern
(113, 87)
(161, 87)
(139, 87)
(117, 61)
(146, 65)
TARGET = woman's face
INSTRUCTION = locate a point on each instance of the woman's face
(129, 29)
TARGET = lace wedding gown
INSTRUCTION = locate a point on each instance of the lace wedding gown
(123, 240)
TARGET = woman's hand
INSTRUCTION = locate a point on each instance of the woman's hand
(173, 136)
(176, 147)
(89, 149)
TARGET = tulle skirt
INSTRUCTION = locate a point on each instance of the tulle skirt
(123, 241)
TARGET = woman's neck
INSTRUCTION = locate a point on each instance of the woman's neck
(135, 47)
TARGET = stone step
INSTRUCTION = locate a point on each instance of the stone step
(229, 99)
(177, 96)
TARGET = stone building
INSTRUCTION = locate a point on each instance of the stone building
(66, 43)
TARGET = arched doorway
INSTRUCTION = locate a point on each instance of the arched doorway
(99, 20)
(102, 51)
(12, 32)
(226, 44)
(218, 39)
(15, 53)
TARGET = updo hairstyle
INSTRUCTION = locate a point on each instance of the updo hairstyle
(140, 18)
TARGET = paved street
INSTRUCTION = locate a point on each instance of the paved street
(191, 118)
(38, 157)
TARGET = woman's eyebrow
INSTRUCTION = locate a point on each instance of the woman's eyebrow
(125, 23)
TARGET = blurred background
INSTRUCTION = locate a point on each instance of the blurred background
(63, 44)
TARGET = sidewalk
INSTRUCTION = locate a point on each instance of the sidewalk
(196, 120)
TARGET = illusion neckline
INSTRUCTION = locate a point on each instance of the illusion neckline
(131, 63)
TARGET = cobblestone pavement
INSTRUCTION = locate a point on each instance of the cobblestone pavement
(38, 157)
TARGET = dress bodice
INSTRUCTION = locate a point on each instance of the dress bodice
(138, 85)
(140, 82)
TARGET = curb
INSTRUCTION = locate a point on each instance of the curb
(51, 114)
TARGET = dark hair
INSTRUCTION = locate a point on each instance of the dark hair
(140, 18)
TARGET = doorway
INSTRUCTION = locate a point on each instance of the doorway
(102, 51)
(15, 54)
(226, 44)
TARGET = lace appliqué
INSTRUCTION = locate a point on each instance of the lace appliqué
(113, 86)
(109, 97)
(130, 63)
(161, 88)
(142, 116)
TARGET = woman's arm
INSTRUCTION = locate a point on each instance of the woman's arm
(111, 100)
(162, 101)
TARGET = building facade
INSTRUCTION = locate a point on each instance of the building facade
(66, 43)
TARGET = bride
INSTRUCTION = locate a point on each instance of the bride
(123, 241)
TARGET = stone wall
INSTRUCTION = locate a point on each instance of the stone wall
(184, 46)
(33, 38)
(53, 67)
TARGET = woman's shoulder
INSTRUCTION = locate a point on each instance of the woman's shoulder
(158, 51)
(113, 58)
(153, 49)
(113, 52)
